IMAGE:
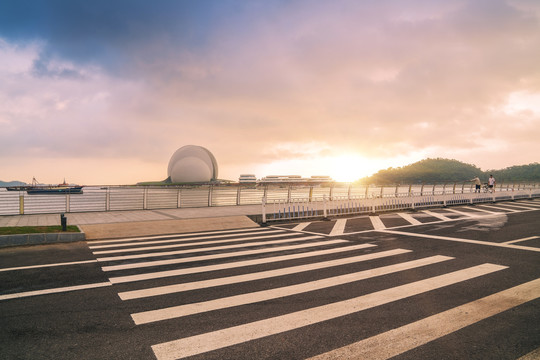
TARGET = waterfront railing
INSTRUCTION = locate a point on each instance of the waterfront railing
(118, 198)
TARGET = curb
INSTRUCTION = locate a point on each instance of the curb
(40, 239)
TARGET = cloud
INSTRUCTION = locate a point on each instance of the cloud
(261, 81)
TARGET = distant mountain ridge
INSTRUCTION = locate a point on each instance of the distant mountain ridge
(11, 183)
(448, 170)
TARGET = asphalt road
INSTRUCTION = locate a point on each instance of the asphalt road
(455, 283)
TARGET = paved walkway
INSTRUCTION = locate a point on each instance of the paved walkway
(115, 224)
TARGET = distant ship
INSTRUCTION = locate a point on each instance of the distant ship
(35, 189)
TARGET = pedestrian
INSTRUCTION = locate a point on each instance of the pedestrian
(477, 183)
(491, 183)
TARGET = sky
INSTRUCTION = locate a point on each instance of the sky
(104, 92)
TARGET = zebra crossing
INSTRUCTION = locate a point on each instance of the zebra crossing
(341, 226)
(242, 271)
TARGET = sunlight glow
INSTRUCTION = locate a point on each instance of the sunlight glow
(346, 167)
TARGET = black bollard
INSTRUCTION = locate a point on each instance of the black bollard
(63, 221)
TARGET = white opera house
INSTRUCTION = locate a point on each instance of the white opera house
(192, 164)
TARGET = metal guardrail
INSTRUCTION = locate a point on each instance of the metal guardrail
(114, 198)
(298, 209)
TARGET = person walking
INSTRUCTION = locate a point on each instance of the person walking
(477, 183)
(491, 183)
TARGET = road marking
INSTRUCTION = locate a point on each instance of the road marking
(410, 219)
(435, 326)
(377, 223)
(91, 242)
(464, 213)
(214, 340)
(437, 215)
(300, 226)
(339, 227)
(518, 206)
(221, 256)
(146, 317)
(226, 266)
(523, 239)
(535, 206)
(146, 248)
(500, 208)
(478, 242)
(486, 211)
(176, 288)
(205, 249)
(48, 265)
(53, 291)
(178, 240)
(533, 355)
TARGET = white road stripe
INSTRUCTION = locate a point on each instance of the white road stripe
(178, 240)
(520, 240)
(48, 265)
(53, 291)
(410, 219)
(339, 227)
(499, 208)
(204, 249)
(226, 266)
(220, 256)
(176, 245)
(397, 341)
(176, 288)
(528, 202)
(300, 226)
(258, 296)
(533, 355)
(513, 205)
(486, 211)
(214, 340)
(377, 223)
(477, 242)
(179, 236)
(437, 215)
(467, 214)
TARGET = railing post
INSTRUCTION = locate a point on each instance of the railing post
(67, 202)
(310, 193)
(108, 199)
(145, 197)
(210, 188)
(238, 192)
(21, 203)
(331, 192)
(324, 207)
(289, 194)
(349, 192)
(264, 210)
(410, 190)
(178, 201)
(422, 190)
(397, 190)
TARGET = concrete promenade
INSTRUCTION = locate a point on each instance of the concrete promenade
(115, 224)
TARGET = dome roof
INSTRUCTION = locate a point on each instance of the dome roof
(192, 163)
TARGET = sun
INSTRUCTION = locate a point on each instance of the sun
(350, 167)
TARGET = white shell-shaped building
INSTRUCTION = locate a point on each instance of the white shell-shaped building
(192, 164)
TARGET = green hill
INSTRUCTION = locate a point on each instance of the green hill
(446, 170)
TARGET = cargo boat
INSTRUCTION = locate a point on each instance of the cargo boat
(36, 189)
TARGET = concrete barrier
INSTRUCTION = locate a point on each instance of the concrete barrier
(40, 239)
